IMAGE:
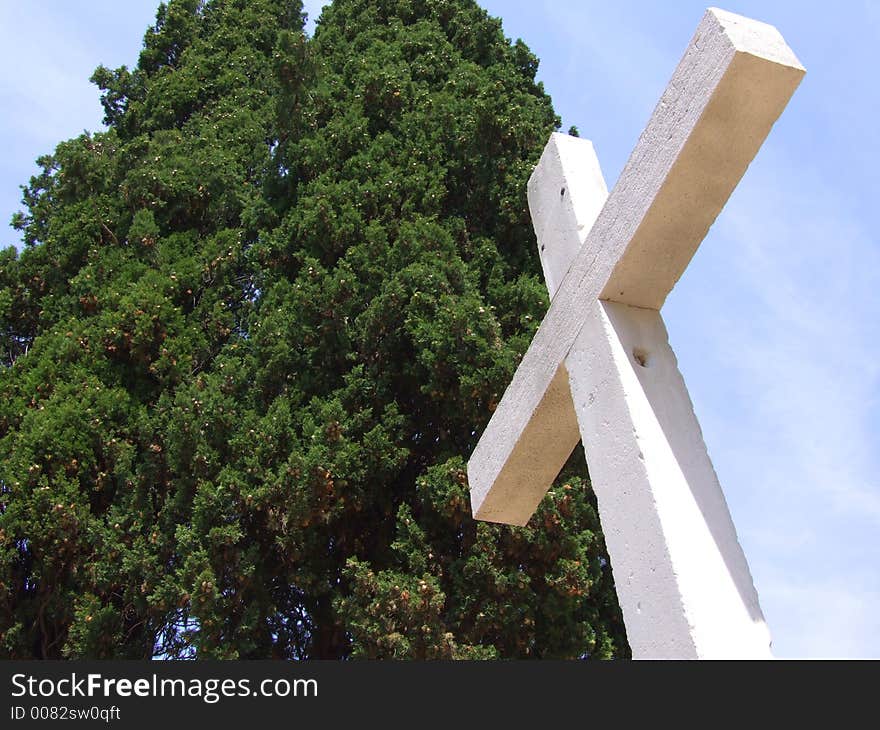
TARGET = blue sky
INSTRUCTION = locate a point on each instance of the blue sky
(775, 323)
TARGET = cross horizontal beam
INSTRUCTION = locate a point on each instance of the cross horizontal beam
(730, 87)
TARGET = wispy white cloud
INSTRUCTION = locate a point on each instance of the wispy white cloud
(827, 617)
(811, 275)
(631, 67)
(787, 385)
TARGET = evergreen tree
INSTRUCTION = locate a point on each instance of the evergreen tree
(256, 329)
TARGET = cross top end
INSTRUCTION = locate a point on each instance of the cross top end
(754, 37)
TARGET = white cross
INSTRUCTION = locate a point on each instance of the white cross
(600, 368)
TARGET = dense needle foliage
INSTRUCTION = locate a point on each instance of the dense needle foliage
(253, 334)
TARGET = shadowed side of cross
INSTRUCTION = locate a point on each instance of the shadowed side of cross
(600, 368)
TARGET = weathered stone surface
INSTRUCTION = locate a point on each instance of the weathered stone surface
(682, 579)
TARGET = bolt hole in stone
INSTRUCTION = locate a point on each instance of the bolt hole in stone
(562, 193)
(640, 355)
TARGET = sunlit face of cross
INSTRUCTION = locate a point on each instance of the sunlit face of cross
(600, 368)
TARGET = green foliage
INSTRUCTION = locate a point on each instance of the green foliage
(254, 333)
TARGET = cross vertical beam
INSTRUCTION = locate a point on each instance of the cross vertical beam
(682, 580)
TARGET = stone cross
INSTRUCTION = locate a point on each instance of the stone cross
(600, 368)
